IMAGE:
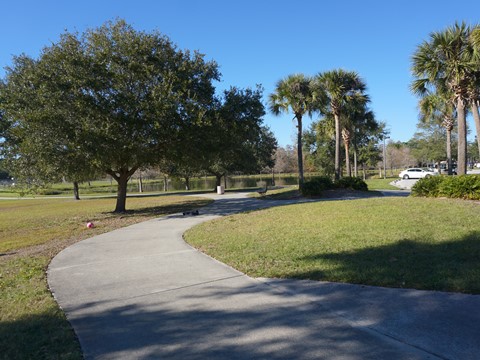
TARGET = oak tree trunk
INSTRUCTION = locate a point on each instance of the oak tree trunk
(122, 182)
(76, 192)
(218, 180)
(121, 177)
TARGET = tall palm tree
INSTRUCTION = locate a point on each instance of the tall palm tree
(474, 93)
(475, 37)
(362, 125)
(474, 100)
(447, 59)
(352, 116)
(294, 93)
(340, 88)
(437, 108)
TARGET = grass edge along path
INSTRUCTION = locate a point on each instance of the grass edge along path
(32, 326)
(429, 244)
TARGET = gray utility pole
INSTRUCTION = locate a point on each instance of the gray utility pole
(384, 158)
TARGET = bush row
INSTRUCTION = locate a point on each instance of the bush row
(461, 187)
(316, 185)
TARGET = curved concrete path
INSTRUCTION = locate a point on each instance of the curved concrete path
(142, 293)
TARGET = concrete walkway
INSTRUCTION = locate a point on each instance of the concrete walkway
(142, 293)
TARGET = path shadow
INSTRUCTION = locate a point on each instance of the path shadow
(184, 327)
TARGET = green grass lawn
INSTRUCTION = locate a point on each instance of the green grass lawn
(381, 184)
(33, 231)
(395, 242)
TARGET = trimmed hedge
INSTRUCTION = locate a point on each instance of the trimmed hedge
(316, 185)
(459, 187)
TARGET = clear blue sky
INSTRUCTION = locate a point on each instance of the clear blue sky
(262, 41)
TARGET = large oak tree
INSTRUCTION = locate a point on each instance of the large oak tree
(117, 98)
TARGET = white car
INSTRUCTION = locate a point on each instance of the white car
(416, 173)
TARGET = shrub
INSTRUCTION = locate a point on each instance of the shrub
(428, 187)
(316, 185)
(462, 187)
(351, 182)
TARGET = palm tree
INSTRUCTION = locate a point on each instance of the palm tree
(363, 126)
(437, 108)
(474, 99)
(447, 59)
(475, 37)
(340, 88)
(294, 93)
(474, 89)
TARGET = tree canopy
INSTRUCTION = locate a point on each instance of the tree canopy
(337, 91)
(447, 60)
(116, 98)
(294, 93)
(236, 139)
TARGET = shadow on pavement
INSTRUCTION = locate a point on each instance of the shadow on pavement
(237, 322)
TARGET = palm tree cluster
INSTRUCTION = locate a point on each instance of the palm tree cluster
(447, 79)
(337, 94)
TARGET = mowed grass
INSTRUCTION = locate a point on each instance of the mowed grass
(395, 242)
(31, 232)
(381, 184)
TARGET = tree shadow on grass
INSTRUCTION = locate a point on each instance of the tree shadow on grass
(40, 336)
(166, 209)
(446, 266)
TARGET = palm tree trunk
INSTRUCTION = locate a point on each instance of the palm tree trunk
(346, 142)
(449, 152)
(338, 170)
(462, 137)
(300, 150)
(355, 161)
(476, 118)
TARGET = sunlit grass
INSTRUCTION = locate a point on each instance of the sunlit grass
(397, 242)
(31, 232)
(381, 184)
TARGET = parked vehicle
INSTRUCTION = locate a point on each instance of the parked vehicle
(417, 173)
(442, 167)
